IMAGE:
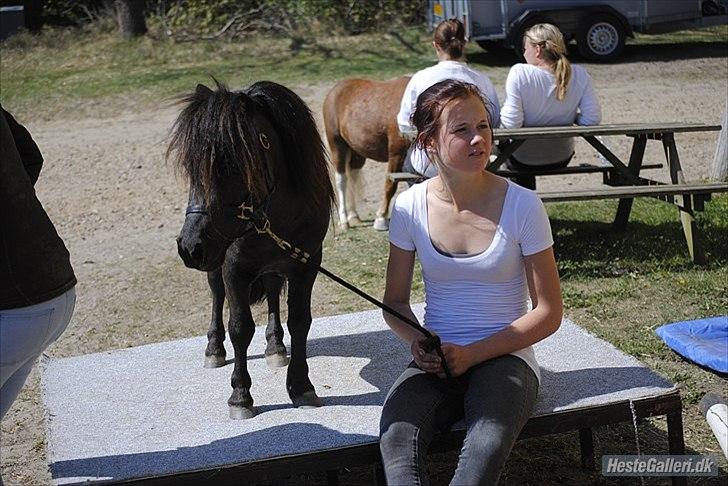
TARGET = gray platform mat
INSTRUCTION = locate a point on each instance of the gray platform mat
(154, 410)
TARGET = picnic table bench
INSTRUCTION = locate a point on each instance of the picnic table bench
(622, 180)
(152, 415)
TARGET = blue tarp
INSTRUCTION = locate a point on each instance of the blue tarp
(703, 341)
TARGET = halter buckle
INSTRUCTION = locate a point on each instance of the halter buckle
(246, 212)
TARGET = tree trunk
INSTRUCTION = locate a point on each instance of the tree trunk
(131, 18)
(720, 160)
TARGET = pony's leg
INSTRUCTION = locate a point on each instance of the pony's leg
(215, 351)
(394, 165)
(241, 328)
(298, 384)
(276, 355)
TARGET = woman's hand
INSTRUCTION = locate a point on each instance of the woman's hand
(458, 358)
(428, 361)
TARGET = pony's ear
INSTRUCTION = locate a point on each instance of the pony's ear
(203, 90)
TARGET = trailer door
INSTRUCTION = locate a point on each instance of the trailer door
(450, 9)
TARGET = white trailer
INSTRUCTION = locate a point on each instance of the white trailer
(599, 27)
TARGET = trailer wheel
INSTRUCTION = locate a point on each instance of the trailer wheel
(601, 39)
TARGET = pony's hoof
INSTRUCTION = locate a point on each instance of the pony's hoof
(276, 360)
(353, 220)
(381, 224)
(343, 225)
(214, 361)
(308, 400)
(241, 413)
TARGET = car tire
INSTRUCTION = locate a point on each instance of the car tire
(601, 39)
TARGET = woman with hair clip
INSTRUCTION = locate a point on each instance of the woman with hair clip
(449, 42)
(484, 245)
(546, 91)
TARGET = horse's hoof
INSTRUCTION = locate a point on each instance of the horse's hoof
(276, 360)
(214, 361)
(241, 413)
(381, 224)
(353, 220)
(308, 400)
(343, 225)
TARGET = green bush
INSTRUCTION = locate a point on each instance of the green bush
(205, 17)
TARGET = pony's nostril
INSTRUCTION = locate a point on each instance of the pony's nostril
(197, 252)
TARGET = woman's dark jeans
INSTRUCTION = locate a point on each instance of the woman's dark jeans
(495, 399)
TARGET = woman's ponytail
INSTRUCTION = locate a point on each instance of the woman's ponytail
(562, 70)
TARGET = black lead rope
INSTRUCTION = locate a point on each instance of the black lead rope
(432, 341)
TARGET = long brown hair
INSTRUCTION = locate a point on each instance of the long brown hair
(551, 40)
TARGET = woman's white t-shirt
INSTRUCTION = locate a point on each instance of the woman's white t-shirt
(469, 298)
(531, 102)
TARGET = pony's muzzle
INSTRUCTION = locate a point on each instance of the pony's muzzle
(192, 255)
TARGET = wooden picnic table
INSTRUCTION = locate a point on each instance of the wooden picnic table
(624, 176)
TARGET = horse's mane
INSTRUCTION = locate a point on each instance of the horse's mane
(305, 156)
(216, 128)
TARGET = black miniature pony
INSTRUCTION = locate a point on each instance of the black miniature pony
(254, 155)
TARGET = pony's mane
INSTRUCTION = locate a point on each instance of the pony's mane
(215, 128)
(305, 156)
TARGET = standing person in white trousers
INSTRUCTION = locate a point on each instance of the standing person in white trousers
(37, 283)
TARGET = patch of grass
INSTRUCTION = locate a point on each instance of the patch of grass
(715, 33)
(49, 74)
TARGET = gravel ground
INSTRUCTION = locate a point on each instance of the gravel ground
(118, 207)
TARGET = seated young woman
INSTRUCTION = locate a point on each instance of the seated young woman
(485, 246)
(546, 91)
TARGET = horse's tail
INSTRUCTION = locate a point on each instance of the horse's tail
(265, 285)
(305, 155)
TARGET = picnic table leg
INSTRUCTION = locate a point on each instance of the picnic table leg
(504, 154)
(676, 441)
(586, 444)
(684, 202)
(635, 164)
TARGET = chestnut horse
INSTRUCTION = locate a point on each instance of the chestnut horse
(360, 117)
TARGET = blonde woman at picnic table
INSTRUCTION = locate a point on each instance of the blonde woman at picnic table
(546, 91)
(484, 244)
(449, 43)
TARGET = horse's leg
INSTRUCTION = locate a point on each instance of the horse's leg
(298, 384)
(276, 355)
(340, 154)
(215, 352)
(396, 160)
(241, 328)
(355, 186)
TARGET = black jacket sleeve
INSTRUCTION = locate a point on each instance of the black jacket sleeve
(27, 148)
